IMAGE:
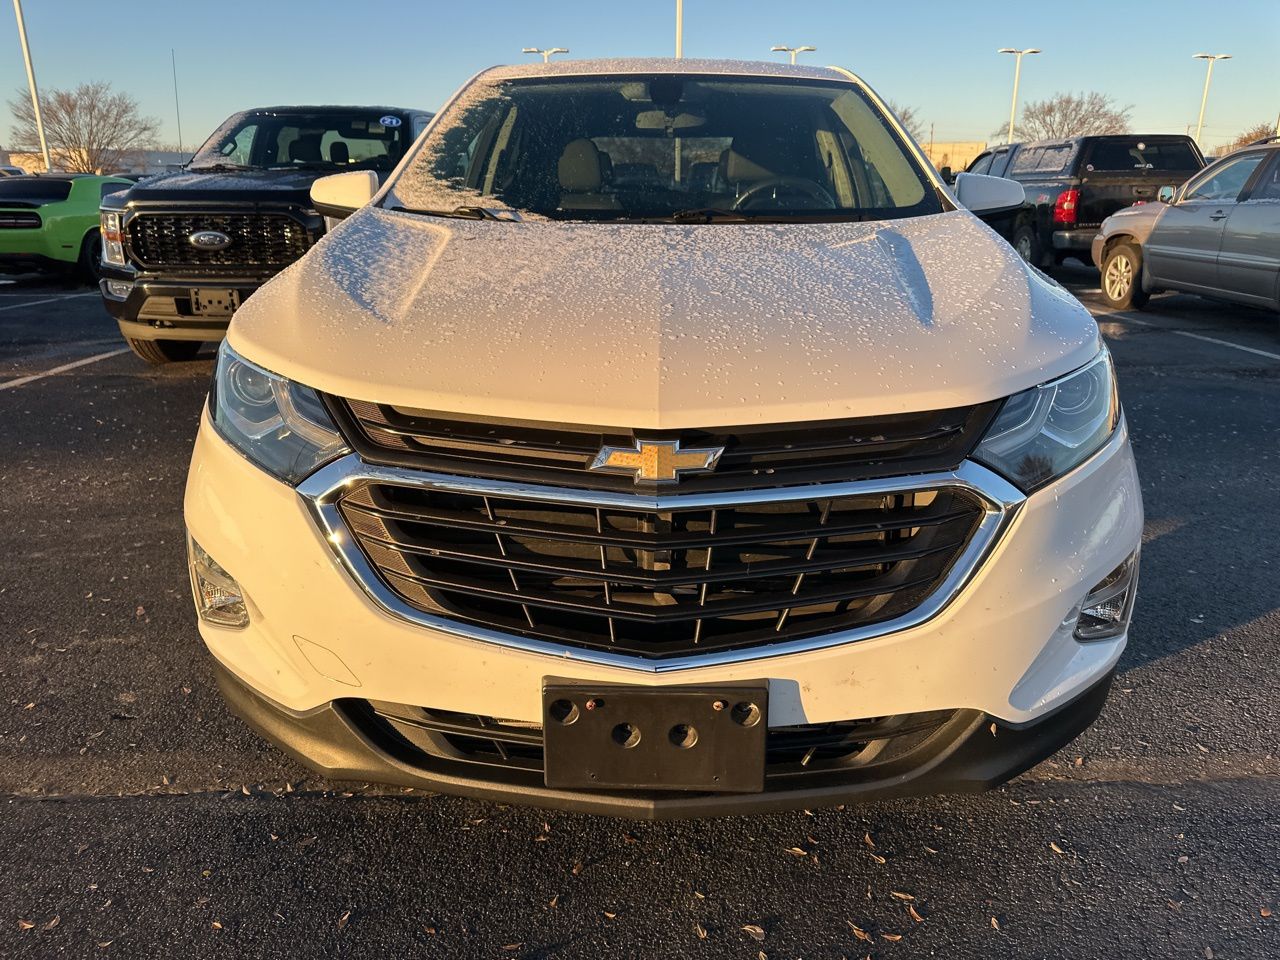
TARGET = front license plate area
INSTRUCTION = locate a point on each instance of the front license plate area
(214, 301)
(615, 737)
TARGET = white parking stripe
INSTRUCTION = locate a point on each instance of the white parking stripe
(36, 303)
(84, 361)
(1188, 333)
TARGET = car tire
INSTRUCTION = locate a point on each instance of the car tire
(89, 267)
(157, 352)
(1122, 277)
(1027, 244)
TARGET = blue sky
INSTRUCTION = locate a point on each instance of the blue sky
(938, 57)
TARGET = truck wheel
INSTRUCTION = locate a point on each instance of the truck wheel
(1027, 244)
(1122, 277)
(164, 351)
(89, 267)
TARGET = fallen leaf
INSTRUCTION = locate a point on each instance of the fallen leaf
(762, 956)
(555, 901)
(1055, 848)
(53, 923)
(866, 838)
(995, 924)
(1079, 761)
(629, 838)
(877, 858)
(993, 729)
(342, 920)
(858, 931)
(892, 937)
(1265, 911)
(429, 930)
(512, 947)
(930, 850)
(700, 930)
(25, 924)
(754, 932)
(216, 925)
(103, 944)
(1184, 859)
(1208, 953)
(577, 868)
(900, 895)
(609, 915)
(915, 915)
(797, 852)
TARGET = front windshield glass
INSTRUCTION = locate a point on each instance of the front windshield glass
(358, 140)
(666, 147)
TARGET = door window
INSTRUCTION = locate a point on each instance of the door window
(1268, 185)
(1225, 182)
(982, 164)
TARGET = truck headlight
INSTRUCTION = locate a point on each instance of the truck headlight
(281, 426)
(1049, 430)
(112, 239)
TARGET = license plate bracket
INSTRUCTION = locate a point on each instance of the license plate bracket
(214, 301)
(620, 737)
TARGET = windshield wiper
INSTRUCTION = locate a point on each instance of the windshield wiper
(469, 212)
(706, 215)
(220, 167)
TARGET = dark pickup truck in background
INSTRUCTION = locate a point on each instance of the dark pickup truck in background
(1073, 185)
(181, 251)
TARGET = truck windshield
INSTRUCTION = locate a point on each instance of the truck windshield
(327, 140)
(666, 147)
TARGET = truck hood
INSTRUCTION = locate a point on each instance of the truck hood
(245, 186)
(664, 326)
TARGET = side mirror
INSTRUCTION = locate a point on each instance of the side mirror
(1167, 194)
(981, 194)
(947, 175)
(342, 194)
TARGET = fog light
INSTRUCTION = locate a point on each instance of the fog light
(1104, 613)
(218, 597)
(119, 288)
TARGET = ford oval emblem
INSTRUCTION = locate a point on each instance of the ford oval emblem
(389, 121)
(209, 240)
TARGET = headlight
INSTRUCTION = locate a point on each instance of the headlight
(112, 239)
(281, 426)
(1051, 429)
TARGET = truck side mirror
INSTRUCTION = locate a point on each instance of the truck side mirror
(1167, 194)
(342, 194)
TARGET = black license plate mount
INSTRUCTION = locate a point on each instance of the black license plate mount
(621, 737)
(214, 301)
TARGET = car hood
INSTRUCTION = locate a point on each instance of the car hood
(272, 186)
(664, 326)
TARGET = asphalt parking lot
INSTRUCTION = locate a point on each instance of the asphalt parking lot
(142, 820)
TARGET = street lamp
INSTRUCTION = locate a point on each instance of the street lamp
(1017, 75)
(1204, 98)
(31, 83)
(793, 51)
(546, 54)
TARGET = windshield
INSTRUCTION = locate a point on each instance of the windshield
(328, 140)
(666, 147)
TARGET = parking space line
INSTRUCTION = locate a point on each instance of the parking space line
(1188, 333)
(36, 303)
(83, 361)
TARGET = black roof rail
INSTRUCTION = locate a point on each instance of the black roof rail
(1257, 143)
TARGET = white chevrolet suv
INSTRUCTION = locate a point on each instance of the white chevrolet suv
(664, 439)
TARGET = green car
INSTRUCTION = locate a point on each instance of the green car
(49, 223)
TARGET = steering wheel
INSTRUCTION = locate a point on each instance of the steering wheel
(810, 188)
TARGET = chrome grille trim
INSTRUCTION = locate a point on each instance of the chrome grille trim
(321, 492)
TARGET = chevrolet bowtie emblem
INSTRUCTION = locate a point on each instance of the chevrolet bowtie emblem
(660, 461)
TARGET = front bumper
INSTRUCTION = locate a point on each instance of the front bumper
(156, 309)
(1001, 652)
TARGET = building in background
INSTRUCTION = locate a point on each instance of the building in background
(956, 154)
(147, 162)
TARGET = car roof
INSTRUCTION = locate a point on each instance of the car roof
(626, 65)
(333, 108)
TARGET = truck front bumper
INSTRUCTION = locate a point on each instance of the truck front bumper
(998, 667)
(148, 309)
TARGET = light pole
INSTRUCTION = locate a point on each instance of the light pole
(546, 54)
(31, 82)
(1017, 75)
(679, 29)
(792, 50)
(1204, 97)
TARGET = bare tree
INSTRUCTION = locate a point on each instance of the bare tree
(1255, 133)
(90, 129)
(907, 117)
(1069, 115)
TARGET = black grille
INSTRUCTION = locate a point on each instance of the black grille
(423, 735)
(272, 240)
(10, 220)
(659, 583)
(768, 455)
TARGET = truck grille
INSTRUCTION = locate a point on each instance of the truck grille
(257, 239)
(761, 455)
(660, 582)
(11, 220)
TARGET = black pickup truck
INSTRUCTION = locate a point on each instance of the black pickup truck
(1073, 185)
(181, 251)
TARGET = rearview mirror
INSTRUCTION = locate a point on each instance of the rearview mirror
(342, 194)
(1167, 194)
(981, 194)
